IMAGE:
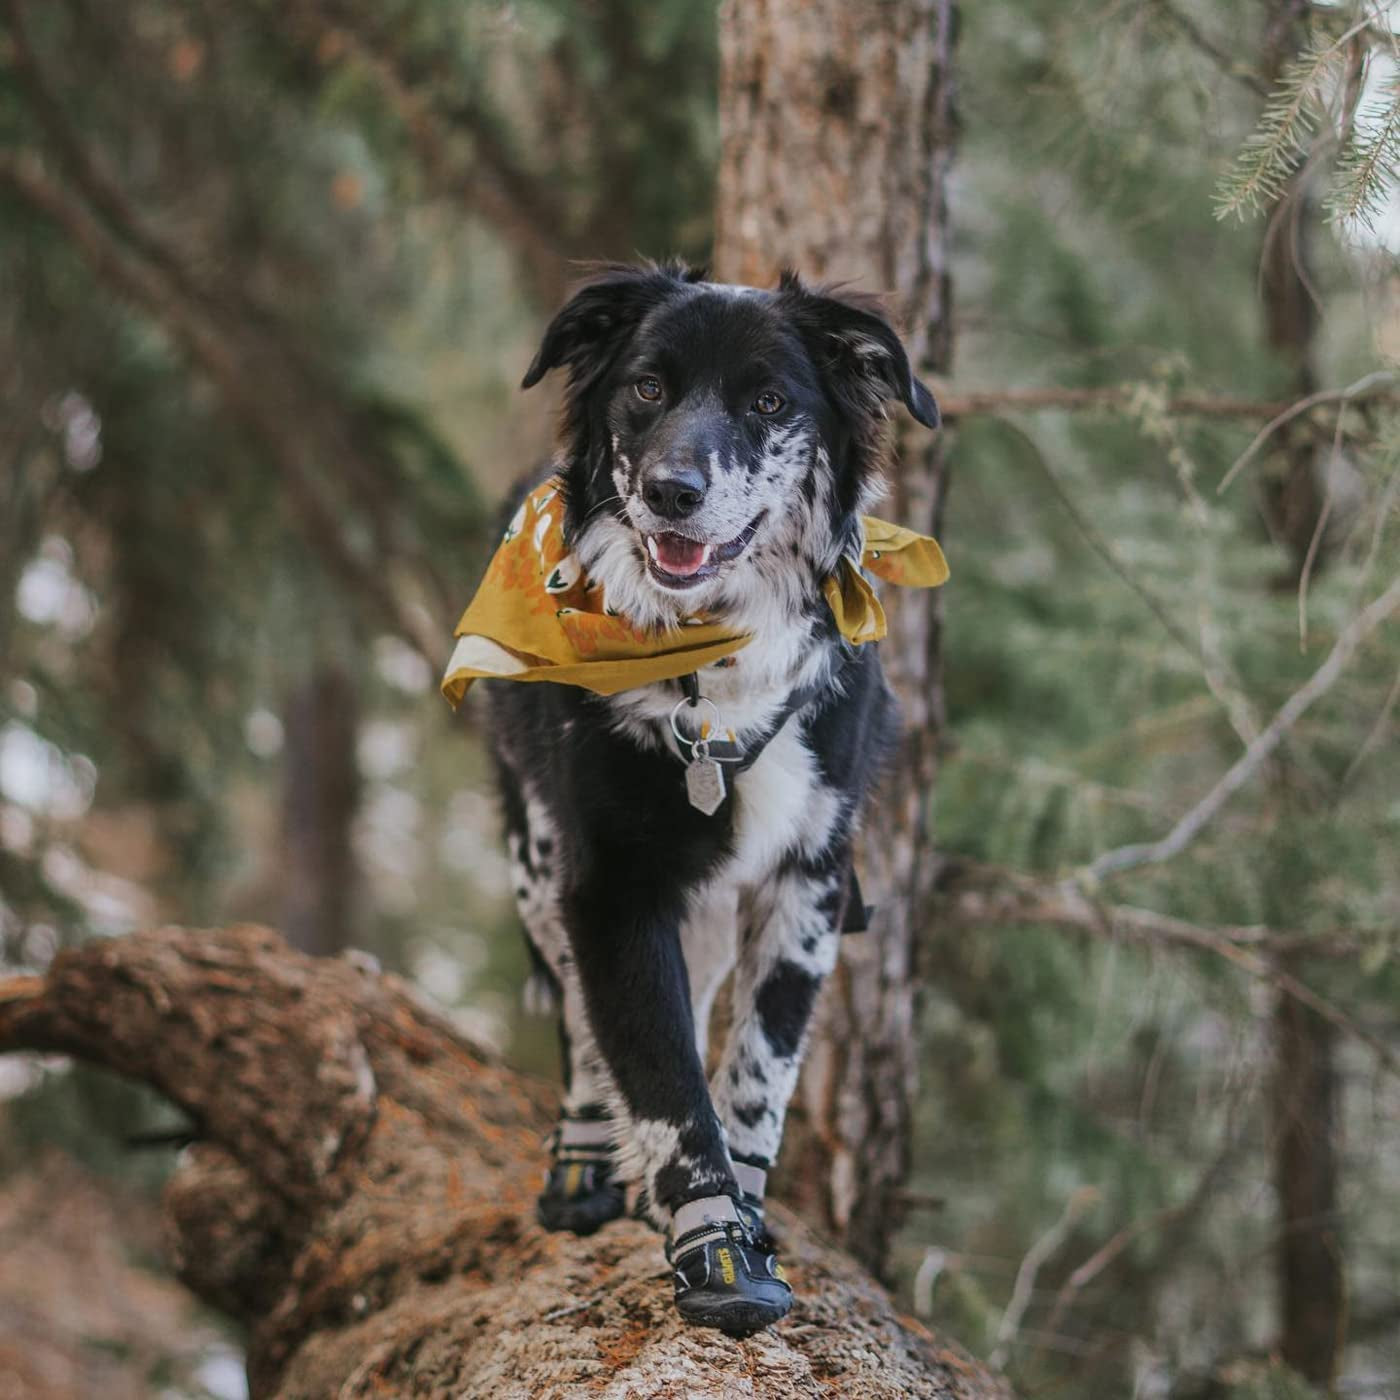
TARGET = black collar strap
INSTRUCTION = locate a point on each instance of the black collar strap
(738, 757)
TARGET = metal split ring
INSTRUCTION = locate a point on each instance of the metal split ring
(690, 704)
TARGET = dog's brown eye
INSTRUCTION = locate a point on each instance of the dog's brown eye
(649, 388)
(768, 403)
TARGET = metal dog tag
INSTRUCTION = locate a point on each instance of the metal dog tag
(704, 785)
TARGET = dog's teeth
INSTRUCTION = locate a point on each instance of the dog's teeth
(705, 557)
(651, 548)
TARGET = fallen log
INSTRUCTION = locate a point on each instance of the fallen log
(360, 1198)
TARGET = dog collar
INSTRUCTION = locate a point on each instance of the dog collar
(537, 617)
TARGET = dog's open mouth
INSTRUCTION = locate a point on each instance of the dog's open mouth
(680, 562)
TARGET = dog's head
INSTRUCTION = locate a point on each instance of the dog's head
(717, 438)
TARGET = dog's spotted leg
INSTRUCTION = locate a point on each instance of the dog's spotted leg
(708, 938)
(789, 934)
(582, 1190)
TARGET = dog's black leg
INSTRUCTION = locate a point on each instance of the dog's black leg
(634, 979)
(789, 933)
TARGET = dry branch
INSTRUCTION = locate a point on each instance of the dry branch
(973, 895)
(1377, 612)
(361, 1198)
(955, 402)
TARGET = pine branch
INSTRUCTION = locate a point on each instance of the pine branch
(972, 895)
(1229, 65)
(1248, 764)
(1367, 168)
(981, 403)
(1270, 155)
(211, 347)
(1364, 387)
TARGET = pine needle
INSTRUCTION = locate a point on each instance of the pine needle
(1270, 155)
(1368, 164)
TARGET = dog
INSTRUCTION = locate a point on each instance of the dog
(718, 447)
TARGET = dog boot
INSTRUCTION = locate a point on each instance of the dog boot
(723, 1278)
(580, 1192)
(751, 1173)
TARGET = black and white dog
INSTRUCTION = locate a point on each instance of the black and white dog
(718, 446)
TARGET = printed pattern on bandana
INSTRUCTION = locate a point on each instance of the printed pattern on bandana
(537, 618)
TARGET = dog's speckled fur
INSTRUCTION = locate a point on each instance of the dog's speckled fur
(638, 903)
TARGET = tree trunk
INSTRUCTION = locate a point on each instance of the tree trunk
(1310, 1260)
(361, 1198)
(320, 792)
(837, 132)
(1310, 1263)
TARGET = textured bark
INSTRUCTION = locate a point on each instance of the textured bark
(837, 131)
(361, 1198)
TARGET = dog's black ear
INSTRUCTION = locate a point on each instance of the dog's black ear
(603, 311)
(855, 345)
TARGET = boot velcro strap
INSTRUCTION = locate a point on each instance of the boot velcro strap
(585, 1132)
(752, 1180)
(708, 1210)
(565, 1153)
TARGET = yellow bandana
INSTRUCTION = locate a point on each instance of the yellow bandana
(537, 618)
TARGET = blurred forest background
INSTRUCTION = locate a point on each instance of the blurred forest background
(269, 275)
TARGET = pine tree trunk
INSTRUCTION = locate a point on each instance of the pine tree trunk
(837, 135)
(1310, 1263)
(361, 1199)
(320, 793)
(1310, 1259)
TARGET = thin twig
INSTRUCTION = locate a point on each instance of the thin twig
(1244, 768)
(1374, 737)
(1113, 1248)
(979, 895)
(1104, 550)
(1079, 1202)
(1222, 60)
(1352, 391)
(1323, 516)
(967, 403)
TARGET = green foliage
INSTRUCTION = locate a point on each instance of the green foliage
(1112, 619)
(1272, 153)
(363, 211)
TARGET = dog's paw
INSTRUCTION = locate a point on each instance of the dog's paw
(724, 1277)
(580, 1196)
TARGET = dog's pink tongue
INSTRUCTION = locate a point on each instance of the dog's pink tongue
(678, 555)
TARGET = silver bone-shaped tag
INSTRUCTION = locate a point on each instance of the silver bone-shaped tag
(704, 780)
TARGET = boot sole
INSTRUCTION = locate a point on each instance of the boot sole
(738, 1317)
(584, 1216)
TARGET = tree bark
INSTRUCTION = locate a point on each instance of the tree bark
(320, 793)
(361, 1198)
(837, 134)
(1310, 1262)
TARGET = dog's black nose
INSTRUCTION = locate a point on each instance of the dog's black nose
(675, 495)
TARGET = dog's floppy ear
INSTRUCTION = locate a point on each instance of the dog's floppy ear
(854, 344)
(602, 312)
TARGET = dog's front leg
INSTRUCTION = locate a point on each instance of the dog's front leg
(788, 937)
(633, 977)
(634, 980)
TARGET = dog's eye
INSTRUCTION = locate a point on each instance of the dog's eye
(768, 403)
(648, 388)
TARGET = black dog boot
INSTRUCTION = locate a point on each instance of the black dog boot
(580, 1192)
(723, 1277)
